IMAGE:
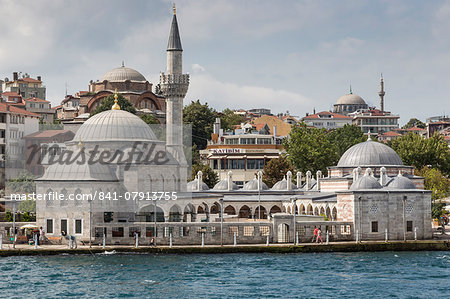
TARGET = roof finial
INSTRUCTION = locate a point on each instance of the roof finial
(115, 106)
(381, 76)
(368, 136)
(80, 145)
(174, 9)
(351, 89)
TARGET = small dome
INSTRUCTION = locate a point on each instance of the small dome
(79, 170)
(253, 185)
(350, 99)
(282, 185)
(223, 185)
(369, 153)
(114, 125)
(401, 182)
(366, 182)
(192, 186)
(122, 74)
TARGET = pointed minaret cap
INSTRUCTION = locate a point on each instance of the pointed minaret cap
(174, 37)
(115, 106)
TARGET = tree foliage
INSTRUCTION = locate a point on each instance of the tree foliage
(310, 149)
(23, 183)
(345, 137)
(27, 206)
(275, 170)
(228, 119)
(202, 118)
(419, 152)
(438, 209)
(414, 122)
(149, 119)
(108, 102)
(209, 176)
(436, 182)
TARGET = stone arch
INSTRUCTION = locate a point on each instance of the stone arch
(77, 194)
(289, 210)
(283, 233)
(176, 187)
(316, 211)
(189, 213)
(322, 211)
(147, 214)
(328, 213)
(163, 184)
(96, 100)
(175, 214)
(215, 208)
(64, 200)
(275, 209)
(230, 210)
(334, 214)
(150, 98)
(310, 210)
(245, 212)
(49, 203)
(261, 211)
(302, 209)
(295, 209)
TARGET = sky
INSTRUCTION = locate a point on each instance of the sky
(285, 55)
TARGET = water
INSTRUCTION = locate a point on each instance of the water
(380, 275)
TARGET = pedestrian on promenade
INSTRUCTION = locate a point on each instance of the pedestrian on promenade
(37, 234)
(74, 241)
(315, 235)
(319, 233)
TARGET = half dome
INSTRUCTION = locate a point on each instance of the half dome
(114, 125)
(369, 153)
(122, 74)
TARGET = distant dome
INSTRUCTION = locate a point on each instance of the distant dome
(369, 153)
(253, 185)
(400, 182)
(192, 186)
(121, 74)
(366, 182)
(350, 99)
(282, 185)
(223, 185)
(114, 125)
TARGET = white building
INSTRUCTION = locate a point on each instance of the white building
(327, 120)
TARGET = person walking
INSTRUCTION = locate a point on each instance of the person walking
(314, 238)
(319, 233)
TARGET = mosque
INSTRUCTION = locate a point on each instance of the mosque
(369, 195)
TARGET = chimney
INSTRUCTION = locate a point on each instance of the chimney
(39, 78)
(15, 76)
(274, 131)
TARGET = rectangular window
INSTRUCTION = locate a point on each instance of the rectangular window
(108, 216)
(49, 226)
(248, 231)
(117, 232)
(150, 232)
(78, 226)
(64, 225)
(374, 226)
(132, 230)
(409, 226)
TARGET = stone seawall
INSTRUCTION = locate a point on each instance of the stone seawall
(337, 247)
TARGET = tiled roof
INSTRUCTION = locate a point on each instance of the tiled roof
(36, 100)
(391, 134)
(16, 110)
(29, 80)
(11, 94)
(57, 107)
(335, 115)
(47, 133)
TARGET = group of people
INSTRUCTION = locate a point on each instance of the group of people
(317, 235)
(38, 235)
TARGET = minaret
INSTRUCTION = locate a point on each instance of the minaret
(381, 93)
(174, 85)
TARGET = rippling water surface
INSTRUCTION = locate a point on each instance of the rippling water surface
(381, 275)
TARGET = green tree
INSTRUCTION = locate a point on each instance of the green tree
(438, 210)
(149, 119)
(414, 122)
(310, 149)
(202, 118)
(27, 206)
(275, 170)
(209, 176)
(23, 183)
(435, 181)
(228, 119)
(345, 137)
(420, 152)
(108, 102)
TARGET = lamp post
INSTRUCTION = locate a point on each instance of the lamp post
(404, 222)
(295, 224)
(14, 225)
(90, 223)
(259, 196)
(155, 227)
(221, 222)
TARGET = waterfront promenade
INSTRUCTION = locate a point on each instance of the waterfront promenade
(431, 245)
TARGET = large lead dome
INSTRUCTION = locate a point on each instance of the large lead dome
(114, 125)
(369, 153)
(122, 74)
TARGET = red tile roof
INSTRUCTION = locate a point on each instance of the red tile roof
(57, 107)
(29, 80)
(391, 134)
(16, 110)
(11, 94)
(36, 100)
(334, 115)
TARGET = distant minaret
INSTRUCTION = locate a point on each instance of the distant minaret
(174, 85)
(381, 93)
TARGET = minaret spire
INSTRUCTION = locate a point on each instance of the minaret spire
(351, 90)
(381, 93)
